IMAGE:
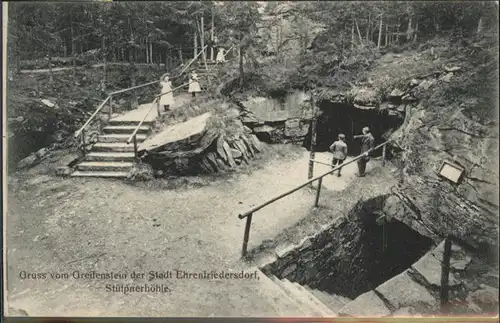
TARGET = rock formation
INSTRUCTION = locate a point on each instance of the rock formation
(438, 128)
(200, 145)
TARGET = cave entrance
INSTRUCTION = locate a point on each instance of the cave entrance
(356, 256)
(336, 118)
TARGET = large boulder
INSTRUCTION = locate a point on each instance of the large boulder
(296, 128)
(366, 99)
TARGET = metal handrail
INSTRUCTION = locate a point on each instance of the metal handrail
(248, 214)
(149, 111)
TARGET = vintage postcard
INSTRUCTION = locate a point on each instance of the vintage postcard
(250, 159)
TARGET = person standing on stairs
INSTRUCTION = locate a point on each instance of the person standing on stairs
(194, 86)
(221, 56)
(167, 98)
(367, 143)
(339, 150)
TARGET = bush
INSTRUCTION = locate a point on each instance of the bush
(141, 172)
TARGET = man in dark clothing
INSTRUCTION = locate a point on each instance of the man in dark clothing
(339, 150)
(367, 143)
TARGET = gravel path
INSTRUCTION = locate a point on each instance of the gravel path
(64, 225)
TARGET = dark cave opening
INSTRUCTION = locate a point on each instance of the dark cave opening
(336, 118)
(354, 257)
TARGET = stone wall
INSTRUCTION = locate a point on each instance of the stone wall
(416, 290)
(353, 256)
(439, 128)
(275, 121)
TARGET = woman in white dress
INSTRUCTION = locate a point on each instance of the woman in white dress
(194, 86)
(221, 56)
(166, 100)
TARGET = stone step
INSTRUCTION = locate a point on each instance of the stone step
(104, 166)
(119, 174)
(305, 310)
(275, 295)
(115, 122)
(113, 146)
(109, 156)
(302, 295)
(316, 301)
(300, 298)
(332, 301)
(125, 129)
(120, 137)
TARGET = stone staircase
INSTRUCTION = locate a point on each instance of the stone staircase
(111, 156)
(204, 75)
(310, 302)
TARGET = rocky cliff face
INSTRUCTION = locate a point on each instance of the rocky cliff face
(443, 121)
(436, 130)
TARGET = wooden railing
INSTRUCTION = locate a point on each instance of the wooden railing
(248, 215)
(216, 63)
(156, 102)
(109, 98)
(191, 62)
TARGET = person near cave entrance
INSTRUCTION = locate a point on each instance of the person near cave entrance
(339, 150)
(367, 143)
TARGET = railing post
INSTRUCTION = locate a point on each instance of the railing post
(136, 102)
(318, 191)
(83, 143)
(383, 154)
(135, 147)
(110, 106)
(246, 236)
(445, 272)
(158, 107)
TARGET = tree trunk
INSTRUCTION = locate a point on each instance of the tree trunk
(179, 50)
(105, 63)
(386, 34)
(312, 149)
(397, 31)
(195, 43)
(480, 25)
(18, 62)
(242, 75)
(379, 43)
(151, 51)
(359, 33)
(367, 36)
(146, 45)
(132, 64)
(51, 73)
(82, 49)
(73, 50)
(202, 43)
(212, 36)
(352, 36)
(408, 31)
(415, 35)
